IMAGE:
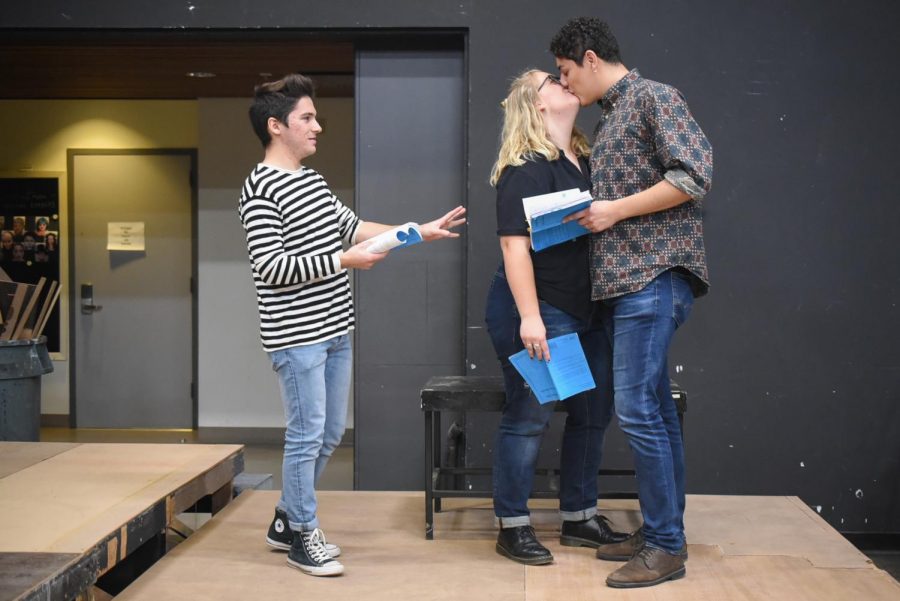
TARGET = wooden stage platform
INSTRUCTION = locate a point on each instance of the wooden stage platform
(741, 549)
(70, 512)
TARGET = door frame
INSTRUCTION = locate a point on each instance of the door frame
(74, 303)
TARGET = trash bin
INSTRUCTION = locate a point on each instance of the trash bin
(22, 363)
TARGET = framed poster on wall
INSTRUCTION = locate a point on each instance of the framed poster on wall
(30, 238)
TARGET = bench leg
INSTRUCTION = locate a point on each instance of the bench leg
(429, 475)
(436, 437)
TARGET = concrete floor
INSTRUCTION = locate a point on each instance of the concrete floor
(338, 475)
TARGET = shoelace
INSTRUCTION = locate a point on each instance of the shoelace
(603, 520)
(645, 554)
(315, 546)
(320, 536)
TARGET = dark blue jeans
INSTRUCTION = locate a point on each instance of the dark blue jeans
(524, 420)
(640, 326)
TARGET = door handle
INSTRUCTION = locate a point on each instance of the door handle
(87, 299)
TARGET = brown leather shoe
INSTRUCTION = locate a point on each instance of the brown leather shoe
(629, 548)
(624, 550)
(649, 567)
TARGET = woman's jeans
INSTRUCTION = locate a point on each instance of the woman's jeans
(524, 420)
(640, 326)
(315, 388)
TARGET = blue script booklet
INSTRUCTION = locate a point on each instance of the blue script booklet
(545, 214)
(400, 236)
(566, 374)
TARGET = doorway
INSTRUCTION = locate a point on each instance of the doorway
(132, 307)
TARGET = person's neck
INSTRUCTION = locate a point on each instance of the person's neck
(279, 157)
(560, 133)
(610, 76)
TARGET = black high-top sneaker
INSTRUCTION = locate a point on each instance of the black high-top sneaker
(280, 535)
(308, 555)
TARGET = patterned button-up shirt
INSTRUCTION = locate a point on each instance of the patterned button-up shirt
(646, 134)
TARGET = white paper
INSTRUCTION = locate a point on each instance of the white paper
(536, 205)
(125, 235)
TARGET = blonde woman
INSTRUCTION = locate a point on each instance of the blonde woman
(536, 296)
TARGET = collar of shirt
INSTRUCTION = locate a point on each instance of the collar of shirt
(619, 88)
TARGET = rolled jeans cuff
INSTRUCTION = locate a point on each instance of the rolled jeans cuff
(578, 516)
(513, 521)
(300, 527)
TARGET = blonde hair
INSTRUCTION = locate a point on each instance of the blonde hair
(524, 133)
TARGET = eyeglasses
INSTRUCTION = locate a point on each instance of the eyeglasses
(550, 78)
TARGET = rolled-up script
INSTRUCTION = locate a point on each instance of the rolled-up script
(402, 235)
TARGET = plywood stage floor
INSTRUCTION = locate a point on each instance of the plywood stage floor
(71, 512)
(741, 548)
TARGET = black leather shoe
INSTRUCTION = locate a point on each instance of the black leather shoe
(592, 532)
(521, 544)
(624, 550)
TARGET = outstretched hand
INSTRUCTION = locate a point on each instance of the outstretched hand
(440, 228)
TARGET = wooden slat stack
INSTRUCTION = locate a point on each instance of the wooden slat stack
(25, 308)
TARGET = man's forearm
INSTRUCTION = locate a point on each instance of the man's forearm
(370, 229)
(658, 197)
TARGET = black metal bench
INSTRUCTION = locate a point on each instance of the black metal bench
(472, 394)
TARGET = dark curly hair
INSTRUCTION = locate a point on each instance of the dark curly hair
(277, 99)
(582, 34)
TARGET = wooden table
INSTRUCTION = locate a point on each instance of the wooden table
(70, 512)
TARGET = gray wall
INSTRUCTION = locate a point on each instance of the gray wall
(791, 362)
(410, 307)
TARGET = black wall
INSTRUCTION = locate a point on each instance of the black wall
(791, 362)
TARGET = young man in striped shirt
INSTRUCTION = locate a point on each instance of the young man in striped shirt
(295, 232)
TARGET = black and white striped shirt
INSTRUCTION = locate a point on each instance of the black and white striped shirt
(295, 227)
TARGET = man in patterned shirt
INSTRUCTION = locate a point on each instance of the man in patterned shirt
(651, 166)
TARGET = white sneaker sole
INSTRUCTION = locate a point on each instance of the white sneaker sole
(329, 569)
(277, 545)
(333, 550)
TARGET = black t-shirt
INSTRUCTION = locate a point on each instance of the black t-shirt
(561, 272)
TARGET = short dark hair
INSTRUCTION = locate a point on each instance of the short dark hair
(277, 99)
(582, 34)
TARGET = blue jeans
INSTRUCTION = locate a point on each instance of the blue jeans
(641, 325)
(524, 420)
(315, 388)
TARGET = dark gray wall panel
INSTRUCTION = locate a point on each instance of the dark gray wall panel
(410, 167)
(390, 432)
(791, 362)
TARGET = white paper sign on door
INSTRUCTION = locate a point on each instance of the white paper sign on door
(127, 235)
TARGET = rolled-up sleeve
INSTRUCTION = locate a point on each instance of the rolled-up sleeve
(681, 146)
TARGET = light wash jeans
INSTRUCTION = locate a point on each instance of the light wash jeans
(315, 388)
(641, 325)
